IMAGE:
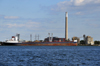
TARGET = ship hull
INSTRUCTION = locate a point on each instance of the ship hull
(10, 44)
(48, 44)
(42, 44)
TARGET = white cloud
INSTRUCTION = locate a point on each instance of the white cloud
(82, 2)
(11, 17)
(78, 13)
(32, 24)
(77, 5)
(29, 25)
(78, 2)
(15, 25)
(85, 2)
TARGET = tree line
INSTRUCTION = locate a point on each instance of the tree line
(95, 42)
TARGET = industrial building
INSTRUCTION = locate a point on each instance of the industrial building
(76, 39)
(89, 40)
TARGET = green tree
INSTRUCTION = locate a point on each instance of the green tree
(82, 42)
(96, 42)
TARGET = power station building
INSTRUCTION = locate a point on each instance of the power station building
(89, 40)
(56, 39)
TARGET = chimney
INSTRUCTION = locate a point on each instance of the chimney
(66, 26)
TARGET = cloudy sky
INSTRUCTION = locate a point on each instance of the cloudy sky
(40, 17)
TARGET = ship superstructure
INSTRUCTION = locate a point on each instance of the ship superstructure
(13, 41)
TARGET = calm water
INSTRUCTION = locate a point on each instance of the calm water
(49, 56)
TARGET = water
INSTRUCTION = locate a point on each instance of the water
(49, 56)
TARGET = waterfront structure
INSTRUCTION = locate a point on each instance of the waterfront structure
(76, 39)
(89, 40)
(66, 26)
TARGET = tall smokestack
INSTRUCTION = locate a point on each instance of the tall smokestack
(66, 26)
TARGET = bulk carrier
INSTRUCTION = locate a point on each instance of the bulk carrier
(55, 41)
(14, 41)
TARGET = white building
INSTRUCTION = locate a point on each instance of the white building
(89, 40)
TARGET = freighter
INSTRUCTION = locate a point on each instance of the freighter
(14, 41)
(50, 41)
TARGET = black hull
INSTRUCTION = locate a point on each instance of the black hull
(10, 44)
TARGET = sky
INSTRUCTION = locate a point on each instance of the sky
(40, 17)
